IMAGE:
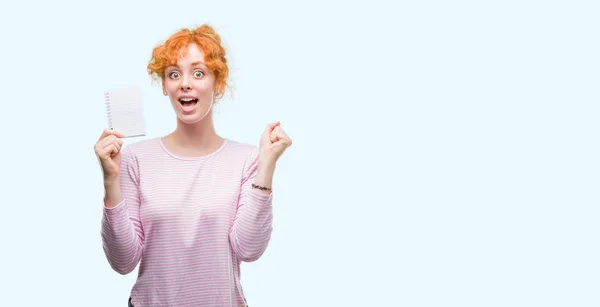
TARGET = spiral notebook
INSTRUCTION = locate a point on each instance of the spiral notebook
(125, 111)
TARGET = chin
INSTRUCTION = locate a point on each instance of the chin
(190, 119)
(199, 113)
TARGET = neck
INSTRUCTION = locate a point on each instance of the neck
(200, 136)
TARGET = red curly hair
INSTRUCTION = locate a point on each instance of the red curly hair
(207, 39)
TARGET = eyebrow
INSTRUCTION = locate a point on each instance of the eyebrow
(196, 63)
(175, 66)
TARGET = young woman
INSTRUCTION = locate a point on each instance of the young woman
(189, 207)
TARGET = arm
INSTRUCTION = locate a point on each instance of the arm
(252, 227)
(121, 229)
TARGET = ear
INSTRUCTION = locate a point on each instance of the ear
(164, 89)
(216, 93)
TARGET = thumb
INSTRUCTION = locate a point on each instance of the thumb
(272, 126)
(269, 130)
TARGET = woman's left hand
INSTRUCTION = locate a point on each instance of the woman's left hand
(273, 143)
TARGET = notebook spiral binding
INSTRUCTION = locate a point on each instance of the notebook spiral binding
(108, 112)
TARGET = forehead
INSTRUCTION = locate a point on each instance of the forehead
(189, 54)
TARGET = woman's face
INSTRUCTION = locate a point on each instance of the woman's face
(190, 86)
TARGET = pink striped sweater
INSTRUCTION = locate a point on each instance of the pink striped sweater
(188, 222)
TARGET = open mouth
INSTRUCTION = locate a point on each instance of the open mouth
(188, 101)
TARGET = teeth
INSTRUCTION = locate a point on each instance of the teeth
(187, 99)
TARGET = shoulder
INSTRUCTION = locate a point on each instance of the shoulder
(143, 147)
(240, 147)
(241, 151)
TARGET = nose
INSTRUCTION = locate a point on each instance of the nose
(185, 85)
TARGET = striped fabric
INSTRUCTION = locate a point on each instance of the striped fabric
(188, 222)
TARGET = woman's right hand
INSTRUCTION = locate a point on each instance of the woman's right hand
(108, 151)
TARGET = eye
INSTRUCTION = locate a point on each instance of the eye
(198, 74)
(174, 75)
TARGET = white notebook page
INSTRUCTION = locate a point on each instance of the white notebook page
(125, 111)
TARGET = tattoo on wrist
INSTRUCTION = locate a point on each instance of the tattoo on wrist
(260, 187)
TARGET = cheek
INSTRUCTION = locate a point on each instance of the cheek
(207, 82)
(170, 85)
(204, 85)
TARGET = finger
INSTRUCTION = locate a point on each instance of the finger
(283, 143)
(282, 136)
(117, 145)
(270, 127)
(273, 137)
(268, 131)
(278, 134)
(108, 140)
(114, 132)
(109, 151)
(112, 148)
(107, 132)
(101, 144)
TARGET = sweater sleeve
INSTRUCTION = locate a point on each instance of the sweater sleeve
(252, 226)
(121, 228)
